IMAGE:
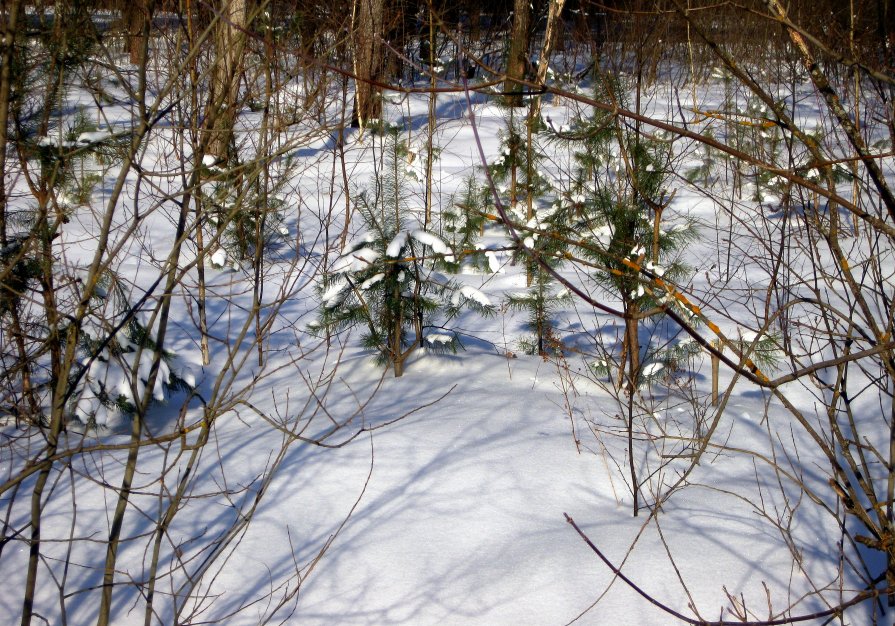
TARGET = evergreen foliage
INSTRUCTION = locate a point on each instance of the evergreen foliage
(116, 356)
(515, 169)
(615, 210)
(540, 301)
(246, 217)
(543, 228)
(462, 225)
(386, 282)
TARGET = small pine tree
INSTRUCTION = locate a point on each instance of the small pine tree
(463, 223)
(116, 356)
(617, 205)
(244, 217)
(541, 301)
(543, 230)
(516, 168)
(73, 164)
(386, 282)
(544, 238)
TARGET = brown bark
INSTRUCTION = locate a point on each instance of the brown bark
(430, 129)
(517, 59)
(137, 17)
(6, 53)
(368, 61)
(229, 41)
(551, 37)
(29, 406)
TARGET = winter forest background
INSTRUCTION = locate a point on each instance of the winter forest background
(407, 312)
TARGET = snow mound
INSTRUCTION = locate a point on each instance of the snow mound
(97, 136)
(219, 258)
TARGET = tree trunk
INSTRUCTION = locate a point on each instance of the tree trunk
(430, 129)
(368, 61)
(137, 17)
(885, 26)
(396, 349)
(630, 356)
(229, 41)
(517, 59)
(551, 37)
(7, 47)
(28, 405)
(632, 327)
(632, 341)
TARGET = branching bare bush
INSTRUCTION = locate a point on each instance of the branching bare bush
(184, 161)
(811, 218)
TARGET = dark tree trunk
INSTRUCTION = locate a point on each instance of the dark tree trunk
(368, 61)
(137, 17)
(517, 59)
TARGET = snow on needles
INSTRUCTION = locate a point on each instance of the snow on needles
(355, 261)
(394, 247)
(423, 236)
(470, 293)
(428, 239)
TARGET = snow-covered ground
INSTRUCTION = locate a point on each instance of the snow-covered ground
(439, 497)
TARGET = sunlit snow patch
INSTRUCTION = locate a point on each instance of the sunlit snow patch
(651, 370)
(96, 136)
(493, 261)
(219, 258)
